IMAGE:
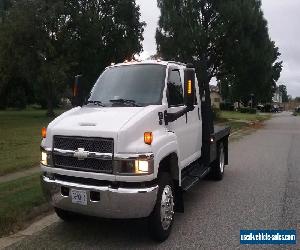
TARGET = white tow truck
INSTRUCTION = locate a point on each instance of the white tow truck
(144, 137)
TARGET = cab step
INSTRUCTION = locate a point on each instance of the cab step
(194, 174)
(188, 182)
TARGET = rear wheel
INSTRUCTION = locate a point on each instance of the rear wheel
(162, 216)
(217, 171)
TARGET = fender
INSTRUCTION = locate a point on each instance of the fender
(166, 145)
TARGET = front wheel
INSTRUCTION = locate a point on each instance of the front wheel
(162, 216)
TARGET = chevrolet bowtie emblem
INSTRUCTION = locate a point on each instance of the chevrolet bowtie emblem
(81, 154)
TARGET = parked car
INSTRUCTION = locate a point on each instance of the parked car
(260, 107)
(271, 108)
(275, 108)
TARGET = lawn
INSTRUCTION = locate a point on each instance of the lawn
(20, 138)
(17, 200)
(237, 120)
(237, 116)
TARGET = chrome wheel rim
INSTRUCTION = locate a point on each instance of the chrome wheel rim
(222, 160)
(167, 207)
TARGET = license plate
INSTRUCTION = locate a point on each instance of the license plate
(79, 197)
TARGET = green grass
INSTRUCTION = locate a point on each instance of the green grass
(17, 200)
(237, 120)
(231, 115)
(20, 138)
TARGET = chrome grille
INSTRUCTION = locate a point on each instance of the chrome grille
(89, 164)
(92, 144)
(64, 148)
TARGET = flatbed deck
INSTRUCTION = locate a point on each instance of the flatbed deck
(221, 132)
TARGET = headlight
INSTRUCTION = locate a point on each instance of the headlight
(45, 158)
(133, 167)
(141, 166)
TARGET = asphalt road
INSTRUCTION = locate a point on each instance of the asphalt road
(260, 190)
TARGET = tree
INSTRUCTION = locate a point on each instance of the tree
(297, 99)
(38, 61)
(249, 56)
(283, 90)
(100, 33)
(189, 31)
(227, 39)
(4, 6)
(61, 39)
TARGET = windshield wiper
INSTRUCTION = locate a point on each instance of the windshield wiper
(125, 101)
(99, 103)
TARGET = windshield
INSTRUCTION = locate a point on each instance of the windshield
(138, 85)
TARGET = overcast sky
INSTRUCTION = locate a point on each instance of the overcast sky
(284, 20)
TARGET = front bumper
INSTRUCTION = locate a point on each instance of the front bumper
(114, 202)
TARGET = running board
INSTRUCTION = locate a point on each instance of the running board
(193, 177)
(188, 182)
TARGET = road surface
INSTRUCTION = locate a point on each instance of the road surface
(260, 190)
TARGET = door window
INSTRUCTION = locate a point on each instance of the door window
(175, 90)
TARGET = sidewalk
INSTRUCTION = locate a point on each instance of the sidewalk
(20, 174)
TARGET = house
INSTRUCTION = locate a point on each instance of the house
(215, 96)
(277, 97)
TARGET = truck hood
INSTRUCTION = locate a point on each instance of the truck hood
(89, 121)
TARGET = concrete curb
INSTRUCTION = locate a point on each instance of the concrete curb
(29, 231)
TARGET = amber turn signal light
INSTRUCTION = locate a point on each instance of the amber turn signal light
(189, 87)
(148, 138)
(44, 132)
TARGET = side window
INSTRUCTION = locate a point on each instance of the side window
(175, 90)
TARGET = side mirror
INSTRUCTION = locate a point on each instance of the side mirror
(189, 87)
(77, 98)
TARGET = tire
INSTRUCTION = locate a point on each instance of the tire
(65, 215)
(162, 216)
(218, 167)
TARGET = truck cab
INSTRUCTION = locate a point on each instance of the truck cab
(134, 147)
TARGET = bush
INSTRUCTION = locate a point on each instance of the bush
(226, 107)
(248, 110)
(243, 110)
(17, 98)
(252, 111)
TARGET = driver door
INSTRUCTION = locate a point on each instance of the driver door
(176, 103)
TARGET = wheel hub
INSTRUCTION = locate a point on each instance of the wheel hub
(167, 207)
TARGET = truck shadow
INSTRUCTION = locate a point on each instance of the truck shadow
(107, 233)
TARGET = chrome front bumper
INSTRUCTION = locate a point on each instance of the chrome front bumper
(114, 202)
